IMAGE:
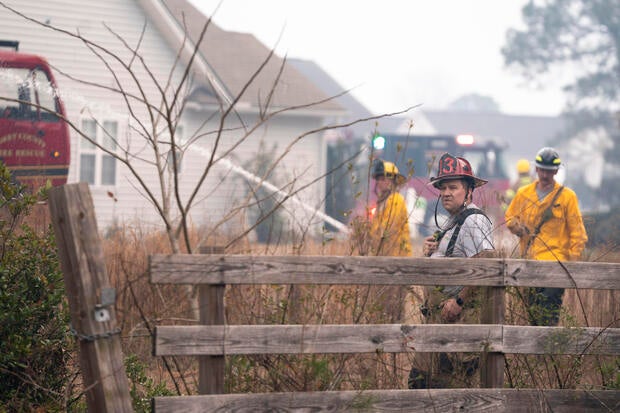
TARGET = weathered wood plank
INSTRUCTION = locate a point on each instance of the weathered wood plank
(211, 369)
(561, 340)
(91, 298)
(243, 269)
(574, 274)
(315, 339)
(432, 400)
(492, 312)
(387, 338)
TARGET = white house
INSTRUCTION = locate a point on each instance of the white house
(110, 56)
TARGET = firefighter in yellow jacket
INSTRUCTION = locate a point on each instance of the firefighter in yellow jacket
(523, 178)
(390, 222)
(389, 236)
(546, 217)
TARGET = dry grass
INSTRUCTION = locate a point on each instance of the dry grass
(141, 306)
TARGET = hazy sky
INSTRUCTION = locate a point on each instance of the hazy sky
(397, 53)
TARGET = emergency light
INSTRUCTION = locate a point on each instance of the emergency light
(378, 142)
(465, 139)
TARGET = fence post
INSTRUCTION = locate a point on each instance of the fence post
(211, 369)
(492, 371)
(91, 299)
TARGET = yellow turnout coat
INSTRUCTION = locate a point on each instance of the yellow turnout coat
(390, 227)
(562, 237)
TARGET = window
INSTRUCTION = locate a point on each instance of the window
(96, 166)
(46, 95)
(32, 87)
(108, 162)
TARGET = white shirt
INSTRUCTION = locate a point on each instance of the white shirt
(475, 236)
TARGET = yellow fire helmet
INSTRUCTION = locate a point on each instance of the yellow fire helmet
(523, 166)
(387, 169)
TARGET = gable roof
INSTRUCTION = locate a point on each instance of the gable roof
(353, 109)
(232, 59)
(330, 87)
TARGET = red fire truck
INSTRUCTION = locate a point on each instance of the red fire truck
(34, 138)
(416, 157)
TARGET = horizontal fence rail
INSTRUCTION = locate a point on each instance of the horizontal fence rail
(431, 400)
(493, 272)
(386, 338)
(214, 339)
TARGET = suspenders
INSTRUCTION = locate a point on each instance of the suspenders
(460, 219)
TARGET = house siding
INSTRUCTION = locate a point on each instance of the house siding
(224, 189)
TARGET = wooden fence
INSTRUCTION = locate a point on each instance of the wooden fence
(214, 339)
(92, 302)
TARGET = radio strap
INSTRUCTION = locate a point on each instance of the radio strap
(546, 216)
(460, 219)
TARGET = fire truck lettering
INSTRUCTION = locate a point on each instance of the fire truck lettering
(30, 152)
(25, 137)
(6, 153)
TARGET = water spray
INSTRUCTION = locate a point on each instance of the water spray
(274, 189)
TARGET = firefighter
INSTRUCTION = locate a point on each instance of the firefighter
(456, 182)
(467, 233)
(389, 235)
(523, 178)
(546, 217)
(390, 222)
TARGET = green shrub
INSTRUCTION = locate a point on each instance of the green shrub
(34, 341)
(142, 388)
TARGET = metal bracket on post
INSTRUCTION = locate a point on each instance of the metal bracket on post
(107, 298)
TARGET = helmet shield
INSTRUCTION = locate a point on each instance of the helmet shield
(453, 167)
